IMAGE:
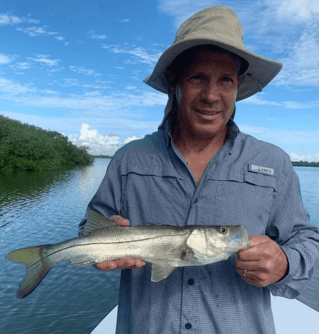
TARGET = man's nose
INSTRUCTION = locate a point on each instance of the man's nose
(210, 92)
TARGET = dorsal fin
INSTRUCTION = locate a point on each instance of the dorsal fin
(96, 222)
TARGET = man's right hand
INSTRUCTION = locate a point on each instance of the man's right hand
(125, 262)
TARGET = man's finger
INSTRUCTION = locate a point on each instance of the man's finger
(120, 221)
(106, 265)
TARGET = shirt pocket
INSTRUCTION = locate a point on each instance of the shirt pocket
(153, 195)
(245, 199)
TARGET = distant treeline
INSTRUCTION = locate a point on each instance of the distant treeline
(25, 147)
(103, 156)
(305, 163)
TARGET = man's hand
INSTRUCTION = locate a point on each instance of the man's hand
(265, 262)
(125, 262)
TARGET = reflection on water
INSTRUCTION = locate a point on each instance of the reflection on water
(41, 208)
(46, 207)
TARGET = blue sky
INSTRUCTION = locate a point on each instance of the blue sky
(77, 67)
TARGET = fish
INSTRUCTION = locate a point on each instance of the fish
(165, 246)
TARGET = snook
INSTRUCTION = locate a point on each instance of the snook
(165, 246)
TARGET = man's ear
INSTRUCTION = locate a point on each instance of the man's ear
(171, 80)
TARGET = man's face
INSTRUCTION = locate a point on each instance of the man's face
(206, 93)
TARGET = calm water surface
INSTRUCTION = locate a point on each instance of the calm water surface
(41, 208)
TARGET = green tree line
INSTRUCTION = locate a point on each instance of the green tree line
(25, 147)
(305, 163)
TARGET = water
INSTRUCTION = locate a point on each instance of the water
(41, 208)
(46, 207)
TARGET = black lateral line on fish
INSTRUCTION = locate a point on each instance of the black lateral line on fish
(103, 243)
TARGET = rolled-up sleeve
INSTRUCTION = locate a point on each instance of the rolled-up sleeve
(299, 239)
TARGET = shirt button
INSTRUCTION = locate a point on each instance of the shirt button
(195, 200)
(190, 281)
(188, 326)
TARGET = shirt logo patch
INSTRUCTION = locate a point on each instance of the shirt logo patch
(262, 170)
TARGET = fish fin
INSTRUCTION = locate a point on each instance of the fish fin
(83, 260)
(97, 221)
(36, 266)
(161, 271)
(80, 264)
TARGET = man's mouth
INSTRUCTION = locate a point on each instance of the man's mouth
(205, 112)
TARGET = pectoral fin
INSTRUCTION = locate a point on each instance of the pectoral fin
(160, 271)
(82, 260)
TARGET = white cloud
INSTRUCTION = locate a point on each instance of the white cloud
(282, 137)
(49, 91)
(92, 35)
(94, 103)
(13, 89)
(33, 21)
(37, 31)
(41, 31)
(183, 9)
(126, 21)
(44, 59)
(258, 100)
(301, 67)
(297, 157)
(140, 54)
(6, 19)
(131, 87)
(21, 66)
(6, 59)
(126, 128)
(59, 38)
(71, 82)
(82, 70)
(294, 10)
(98, 143)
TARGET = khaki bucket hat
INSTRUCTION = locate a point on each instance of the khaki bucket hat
(218, 26)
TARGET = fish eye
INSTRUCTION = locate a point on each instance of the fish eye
(223, 230)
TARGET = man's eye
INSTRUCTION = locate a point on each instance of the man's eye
(196, 77)
(227, 79)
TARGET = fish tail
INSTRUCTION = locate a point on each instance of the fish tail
(37, 267)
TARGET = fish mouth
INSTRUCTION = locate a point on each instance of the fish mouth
(207, 113)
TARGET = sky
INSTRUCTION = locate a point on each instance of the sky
(77, 67)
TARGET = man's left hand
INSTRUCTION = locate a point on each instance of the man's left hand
(265, 262)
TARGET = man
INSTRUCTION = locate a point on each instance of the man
(198, 168)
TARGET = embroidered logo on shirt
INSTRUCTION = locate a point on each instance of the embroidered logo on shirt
(260, 169)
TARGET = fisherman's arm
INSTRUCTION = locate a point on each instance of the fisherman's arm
(286, 258)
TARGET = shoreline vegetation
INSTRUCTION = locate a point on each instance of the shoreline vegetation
(103, 156)
(305, 164)
(294, 163)
(25, 147)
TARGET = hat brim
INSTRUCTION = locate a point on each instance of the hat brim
(259, 73)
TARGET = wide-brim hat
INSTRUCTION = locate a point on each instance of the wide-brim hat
(218, 26)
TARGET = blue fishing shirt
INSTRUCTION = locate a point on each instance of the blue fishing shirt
(248, 182)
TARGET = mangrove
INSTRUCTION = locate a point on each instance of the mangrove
(25, 147)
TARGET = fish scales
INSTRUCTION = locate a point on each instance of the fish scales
(165, 246)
